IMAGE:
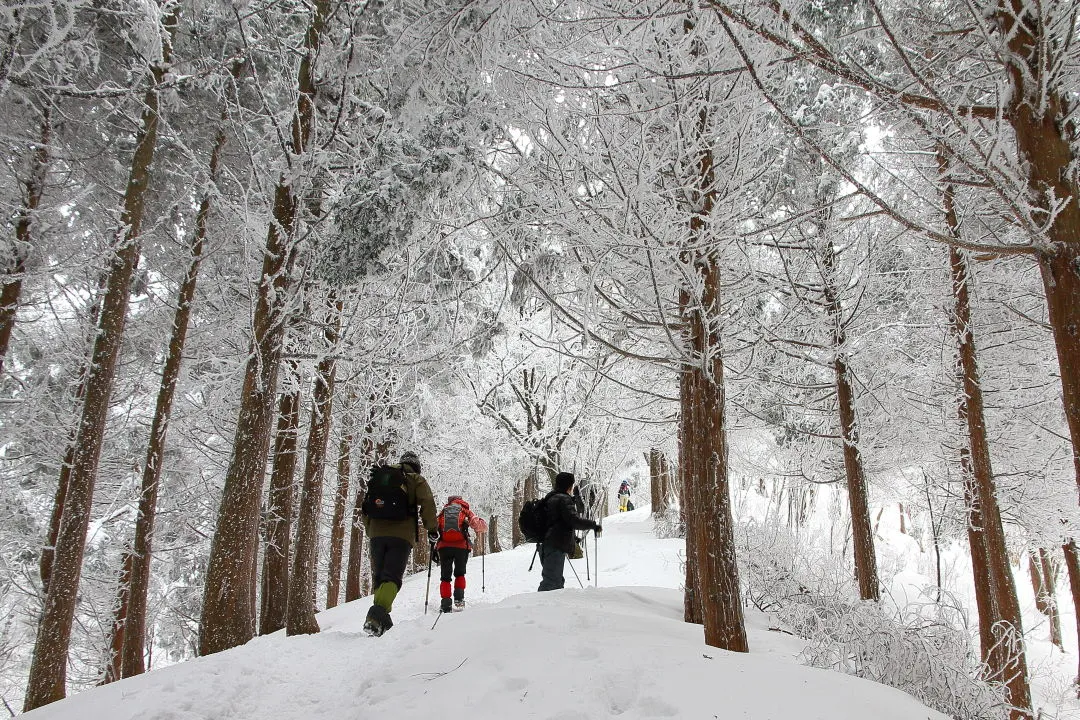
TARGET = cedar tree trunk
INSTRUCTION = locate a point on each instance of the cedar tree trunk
(337, 527)
(300, 618)
(48, 669)
(228, 611)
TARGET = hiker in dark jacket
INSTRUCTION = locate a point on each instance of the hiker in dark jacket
(393, 540)
(563, 520)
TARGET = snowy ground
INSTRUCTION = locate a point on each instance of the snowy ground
(617, 650)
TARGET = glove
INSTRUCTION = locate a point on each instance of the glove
(433, 536)
(598, 530)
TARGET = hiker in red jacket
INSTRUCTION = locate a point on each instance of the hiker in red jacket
(455, 521)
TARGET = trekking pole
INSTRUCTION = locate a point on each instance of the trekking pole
(585, 545)
(437, 618)
(571, 564)
(535, 552)
(483, 573)
(427, 593)
(596, 557)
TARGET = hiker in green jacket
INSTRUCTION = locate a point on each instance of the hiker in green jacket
(394, 493)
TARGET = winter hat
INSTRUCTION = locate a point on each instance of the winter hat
(564, 481)
(410, 458)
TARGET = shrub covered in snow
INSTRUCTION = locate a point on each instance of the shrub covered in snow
(923, 649)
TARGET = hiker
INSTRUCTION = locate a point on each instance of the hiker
(563, 519)
(393, 495)
(453, 548)
(624, 497)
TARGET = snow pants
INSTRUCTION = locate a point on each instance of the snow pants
(552, 561)
(389, 556)
(452, 561)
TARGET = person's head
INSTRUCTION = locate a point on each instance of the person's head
(453, 498)
(411, 459)
(564, 482)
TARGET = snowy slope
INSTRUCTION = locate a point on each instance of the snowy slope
(594, 653)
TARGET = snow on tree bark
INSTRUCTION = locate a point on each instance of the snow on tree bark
(34, 184)
(1072, 564)
(48, 670)
(228, 612)
(1043, 579)
(300, 618)
(275, 575)
(132, 661)
(337, 523)
(1011, 665)
(858, 493)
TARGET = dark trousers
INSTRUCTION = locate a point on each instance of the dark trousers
(452, 561)
(389, 556)
(552, 561)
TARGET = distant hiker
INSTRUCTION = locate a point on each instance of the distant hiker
(624, 497)
(563, 519)
(455, 520)
(393, 495)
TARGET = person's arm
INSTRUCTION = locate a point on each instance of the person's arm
(571, 518)
(426, 501)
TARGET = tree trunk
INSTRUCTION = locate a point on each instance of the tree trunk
(980, 563)
(516, 537)
(356, 531)
(858, 496)
(34, 184)
(228, 613)
(337, 527)
(49, 551)
(709, 519)
(668, 490)
(1046, 150)
(1008, 630)
(1072, 564)
(713, 583)
(532, 487)
(691, 595)
(135, 634)
(114, 666)
(656, 491)
(275, 575)
(356, 551)
(493, 534)
(1043, 582)
(1045, 146)
(48, 669)
(421, 555)
(300, 619)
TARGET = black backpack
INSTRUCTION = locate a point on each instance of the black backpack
(533, 520)
(387, 495)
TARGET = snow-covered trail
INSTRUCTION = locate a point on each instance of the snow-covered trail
(620, 650)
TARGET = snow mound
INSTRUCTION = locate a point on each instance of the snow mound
(573, 654)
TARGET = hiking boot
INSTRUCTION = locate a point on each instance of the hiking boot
(446, 605)
(459, 605)
(378, 621)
